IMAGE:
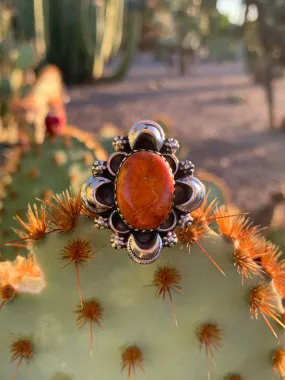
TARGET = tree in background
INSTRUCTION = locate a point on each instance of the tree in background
(173, 28)
(266, 40)
(185, 28)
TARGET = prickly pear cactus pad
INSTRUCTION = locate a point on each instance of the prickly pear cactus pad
(106, 136)
(217, 188)
(276, 231)
(57, 165)
(210, 310)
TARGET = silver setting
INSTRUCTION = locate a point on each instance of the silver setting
(112, 157)
(186, 167)
(101, 223)
(98, 167)
(113, 226)
(144, 256)
(118, 242)
(171, 145)
(89, 192)
(172, 226)
(143, 246)
(197, 197)
(115, 182)
(170, 240)
(185, 221)
(120, 143)
(146, 127)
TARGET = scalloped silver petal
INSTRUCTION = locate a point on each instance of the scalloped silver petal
(197, 196)
(88, 194)
(144, 256)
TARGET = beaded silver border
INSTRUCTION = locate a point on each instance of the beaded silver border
(144, 261)
(115, 188)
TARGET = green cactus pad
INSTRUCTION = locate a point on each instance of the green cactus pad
(65, 162)
(134, 317)
(5, 88)
(106, 136)
(216, 187)
(26, 56)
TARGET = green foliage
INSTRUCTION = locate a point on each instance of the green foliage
(222, 49)
(224, 22)
(24, 19)
(267, 54)
(26, 57)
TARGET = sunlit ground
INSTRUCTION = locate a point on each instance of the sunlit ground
(216, 111)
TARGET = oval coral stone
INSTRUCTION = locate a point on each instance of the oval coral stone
(145, 190)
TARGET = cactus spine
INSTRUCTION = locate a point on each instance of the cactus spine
(122, 318)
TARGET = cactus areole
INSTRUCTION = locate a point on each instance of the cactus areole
(143, 192)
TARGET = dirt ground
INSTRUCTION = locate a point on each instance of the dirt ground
(216, 111)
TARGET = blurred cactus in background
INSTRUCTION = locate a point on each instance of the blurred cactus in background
(18, 59)
(31, 109)
(16, 62)
(84, 36)
(86, 310)
(266, 47)
(60, 162)
(80, 37)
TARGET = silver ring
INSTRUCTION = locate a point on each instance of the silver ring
(144, 192)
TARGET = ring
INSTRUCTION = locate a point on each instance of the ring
(143, 192)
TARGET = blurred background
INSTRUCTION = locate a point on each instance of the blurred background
(210, 71)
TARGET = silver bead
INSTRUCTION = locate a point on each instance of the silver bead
(170, 240)
(149, 128)
(171, 145)
(118, 242)
(120, 143)
(98, 167)
(101, 223)
(187, 167)
(185, 221)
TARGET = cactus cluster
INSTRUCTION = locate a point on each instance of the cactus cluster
(211, 309)
(82, 37)
(51, 167)
(16, 74)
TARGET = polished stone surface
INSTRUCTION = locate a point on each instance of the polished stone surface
(145, 190)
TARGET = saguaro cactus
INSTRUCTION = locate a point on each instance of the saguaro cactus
(83, 36)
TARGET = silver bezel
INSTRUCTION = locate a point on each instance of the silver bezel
(114, 228)
(110, 160)
(115, 188)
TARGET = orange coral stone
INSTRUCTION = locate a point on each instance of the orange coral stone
(145, 190)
